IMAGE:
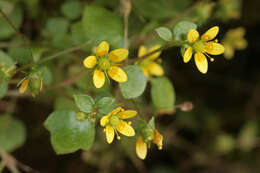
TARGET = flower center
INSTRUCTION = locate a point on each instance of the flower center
(114, 120)
(199, 46)
(104, 63)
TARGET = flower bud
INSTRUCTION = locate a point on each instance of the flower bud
(147, 133)
(35, 85)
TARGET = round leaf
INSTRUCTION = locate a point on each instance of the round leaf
(3, 88)
(100, 24)
(135, 84)
(106, 104)
(67, 133)
(71, 9)
(164, 33)
(181, 29)
(12, 133)
(163, 94)
(84, 102)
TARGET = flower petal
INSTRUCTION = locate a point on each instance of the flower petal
(110, 133)
(158, 139)
(187, 55)
(116, 110)
(229, 51)
(201, 62)
(193, 35)
(210, 34)
(118, 55)
(102, 48)
(155, 69)
(24, 86)
(146, 73)
(104, 120)
(117, 74)
(125, 128)
(155, 55)
(141, 148)
(98, 78)
(214, 48)
(141, 51)
(127, 114)
(90, 61)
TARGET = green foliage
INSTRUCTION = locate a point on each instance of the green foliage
(12, 133)
(15, 15)
(106, 104)
(3, 88)
(135, 84)
(100, 24)
(84, 102)
(71, 9)
(181, 29)
(69, 134)
(163, 94)
(164, 33)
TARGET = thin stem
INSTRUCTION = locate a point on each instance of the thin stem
(126, 15)
(167, 45)
(54, 56)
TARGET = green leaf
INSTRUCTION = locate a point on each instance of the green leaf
(64, 103)
(84, 102)
(181, 29)
(15, 15)
(101, 24)
(106, 104)
(135, 84)
(5, 60)
(151, 122)
(163, 94)
(56, 26)
(71, 9)
(67, 133)
(3, 88)
(12, 133)
(164, 33)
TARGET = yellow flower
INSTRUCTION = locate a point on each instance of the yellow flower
(234, 40)
(148, 65)
(201, 47)
(23, 87)
(105, 64)
(114, 123)
(141, 145)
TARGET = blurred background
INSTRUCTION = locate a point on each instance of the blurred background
(220, 133)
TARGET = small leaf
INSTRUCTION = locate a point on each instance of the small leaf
(71, 9)
(3, 88)
(106, 104)
(101, 24)
(164, 33)
(163, 94)
(12, 133)
(135, 84)
(67, 133)
(151, 122)
(84, 102)
(5, 60)
(181, 29)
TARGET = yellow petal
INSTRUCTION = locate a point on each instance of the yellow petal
(187, 55)
(98, 78)
(125, 128)
(110, 133)
(155, 55)
(102, 48)
(116, 110)
(141, 148)
(145, 70)
(210, 34)
(127, 114)
(201, 62)
(229, 52)
(90, 61)
(117, 74)
(141, 51)
(118, 55)
(155, 69)
(193, 35)
(23, 87)
(104, 120)
(214, 48)
(158, 139)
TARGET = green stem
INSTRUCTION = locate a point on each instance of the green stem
(54, 56)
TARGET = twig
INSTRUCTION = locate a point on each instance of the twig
(51, 57)
(126, 8)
